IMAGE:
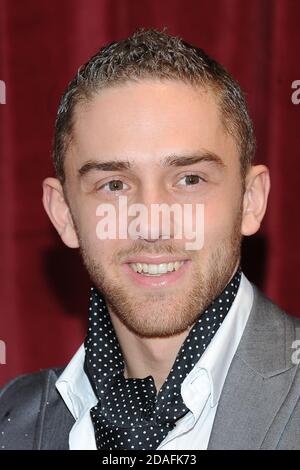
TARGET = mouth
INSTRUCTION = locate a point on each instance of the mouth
(155, 269)
(156, 272)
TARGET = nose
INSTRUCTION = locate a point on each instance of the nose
(155, 215)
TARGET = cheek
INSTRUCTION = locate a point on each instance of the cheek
(88, 227)
(220, 221)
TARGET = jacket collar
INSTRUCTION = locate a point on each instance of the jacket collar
(258, 381)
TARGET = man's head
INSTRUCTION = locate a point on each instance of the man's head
(154, 55)
(158, 121)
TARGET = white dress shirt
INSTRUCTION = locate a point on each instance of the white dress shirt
(200, 390)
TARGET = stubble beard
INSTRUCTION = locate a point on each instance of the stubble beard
(167, 311)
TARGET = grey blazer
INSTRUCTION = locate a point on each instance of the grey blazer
(259, 407)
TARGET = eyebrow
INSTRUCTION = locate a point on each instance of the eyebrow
(110, 165)
(171, 160)
(175, 160)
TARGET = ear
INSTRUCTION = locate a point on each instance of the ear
(255, 198)
(58, 211)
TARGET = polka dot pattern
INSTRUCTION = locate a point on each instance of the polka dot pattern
(130, 414)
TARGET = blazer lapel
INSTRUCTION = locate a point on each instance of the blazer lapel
(258, 381)
(55, 420)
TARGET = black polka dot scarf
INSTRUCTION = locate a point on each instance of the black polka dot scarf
(130, 414)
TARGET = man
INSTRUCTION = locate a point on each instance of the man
(182, 351)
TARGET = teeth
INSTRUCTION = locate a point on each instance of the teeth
(145, 267)
(170, 266)
(139, 267)
(152, 269)
(156, 269)
(162, 268)
(134, 267)
(177, 265)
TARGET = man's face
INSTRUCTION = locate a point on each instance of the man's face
(156, 127)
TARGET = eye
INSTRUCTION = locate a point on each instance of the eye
(190, 180)
(114, 186)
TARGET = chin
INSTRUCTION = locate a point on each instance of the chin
(150, 321)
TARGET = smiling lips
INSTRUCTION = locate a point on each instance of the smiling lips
(151, 269)
(156, 271)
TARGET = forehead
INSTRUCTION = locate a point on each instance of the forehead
(143, 121)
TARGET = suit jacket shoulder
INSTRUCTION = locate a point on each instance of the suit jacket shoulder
(259, 407)
(32, 413)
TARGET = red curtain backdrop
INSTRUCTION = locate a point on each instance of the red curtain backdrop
(44, 289)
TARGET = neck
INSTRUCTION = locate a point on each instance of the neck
(147, 356)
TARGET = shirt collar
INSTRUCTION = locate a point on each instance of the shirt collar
(216, 359)
(74, 386)
(76, 391)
